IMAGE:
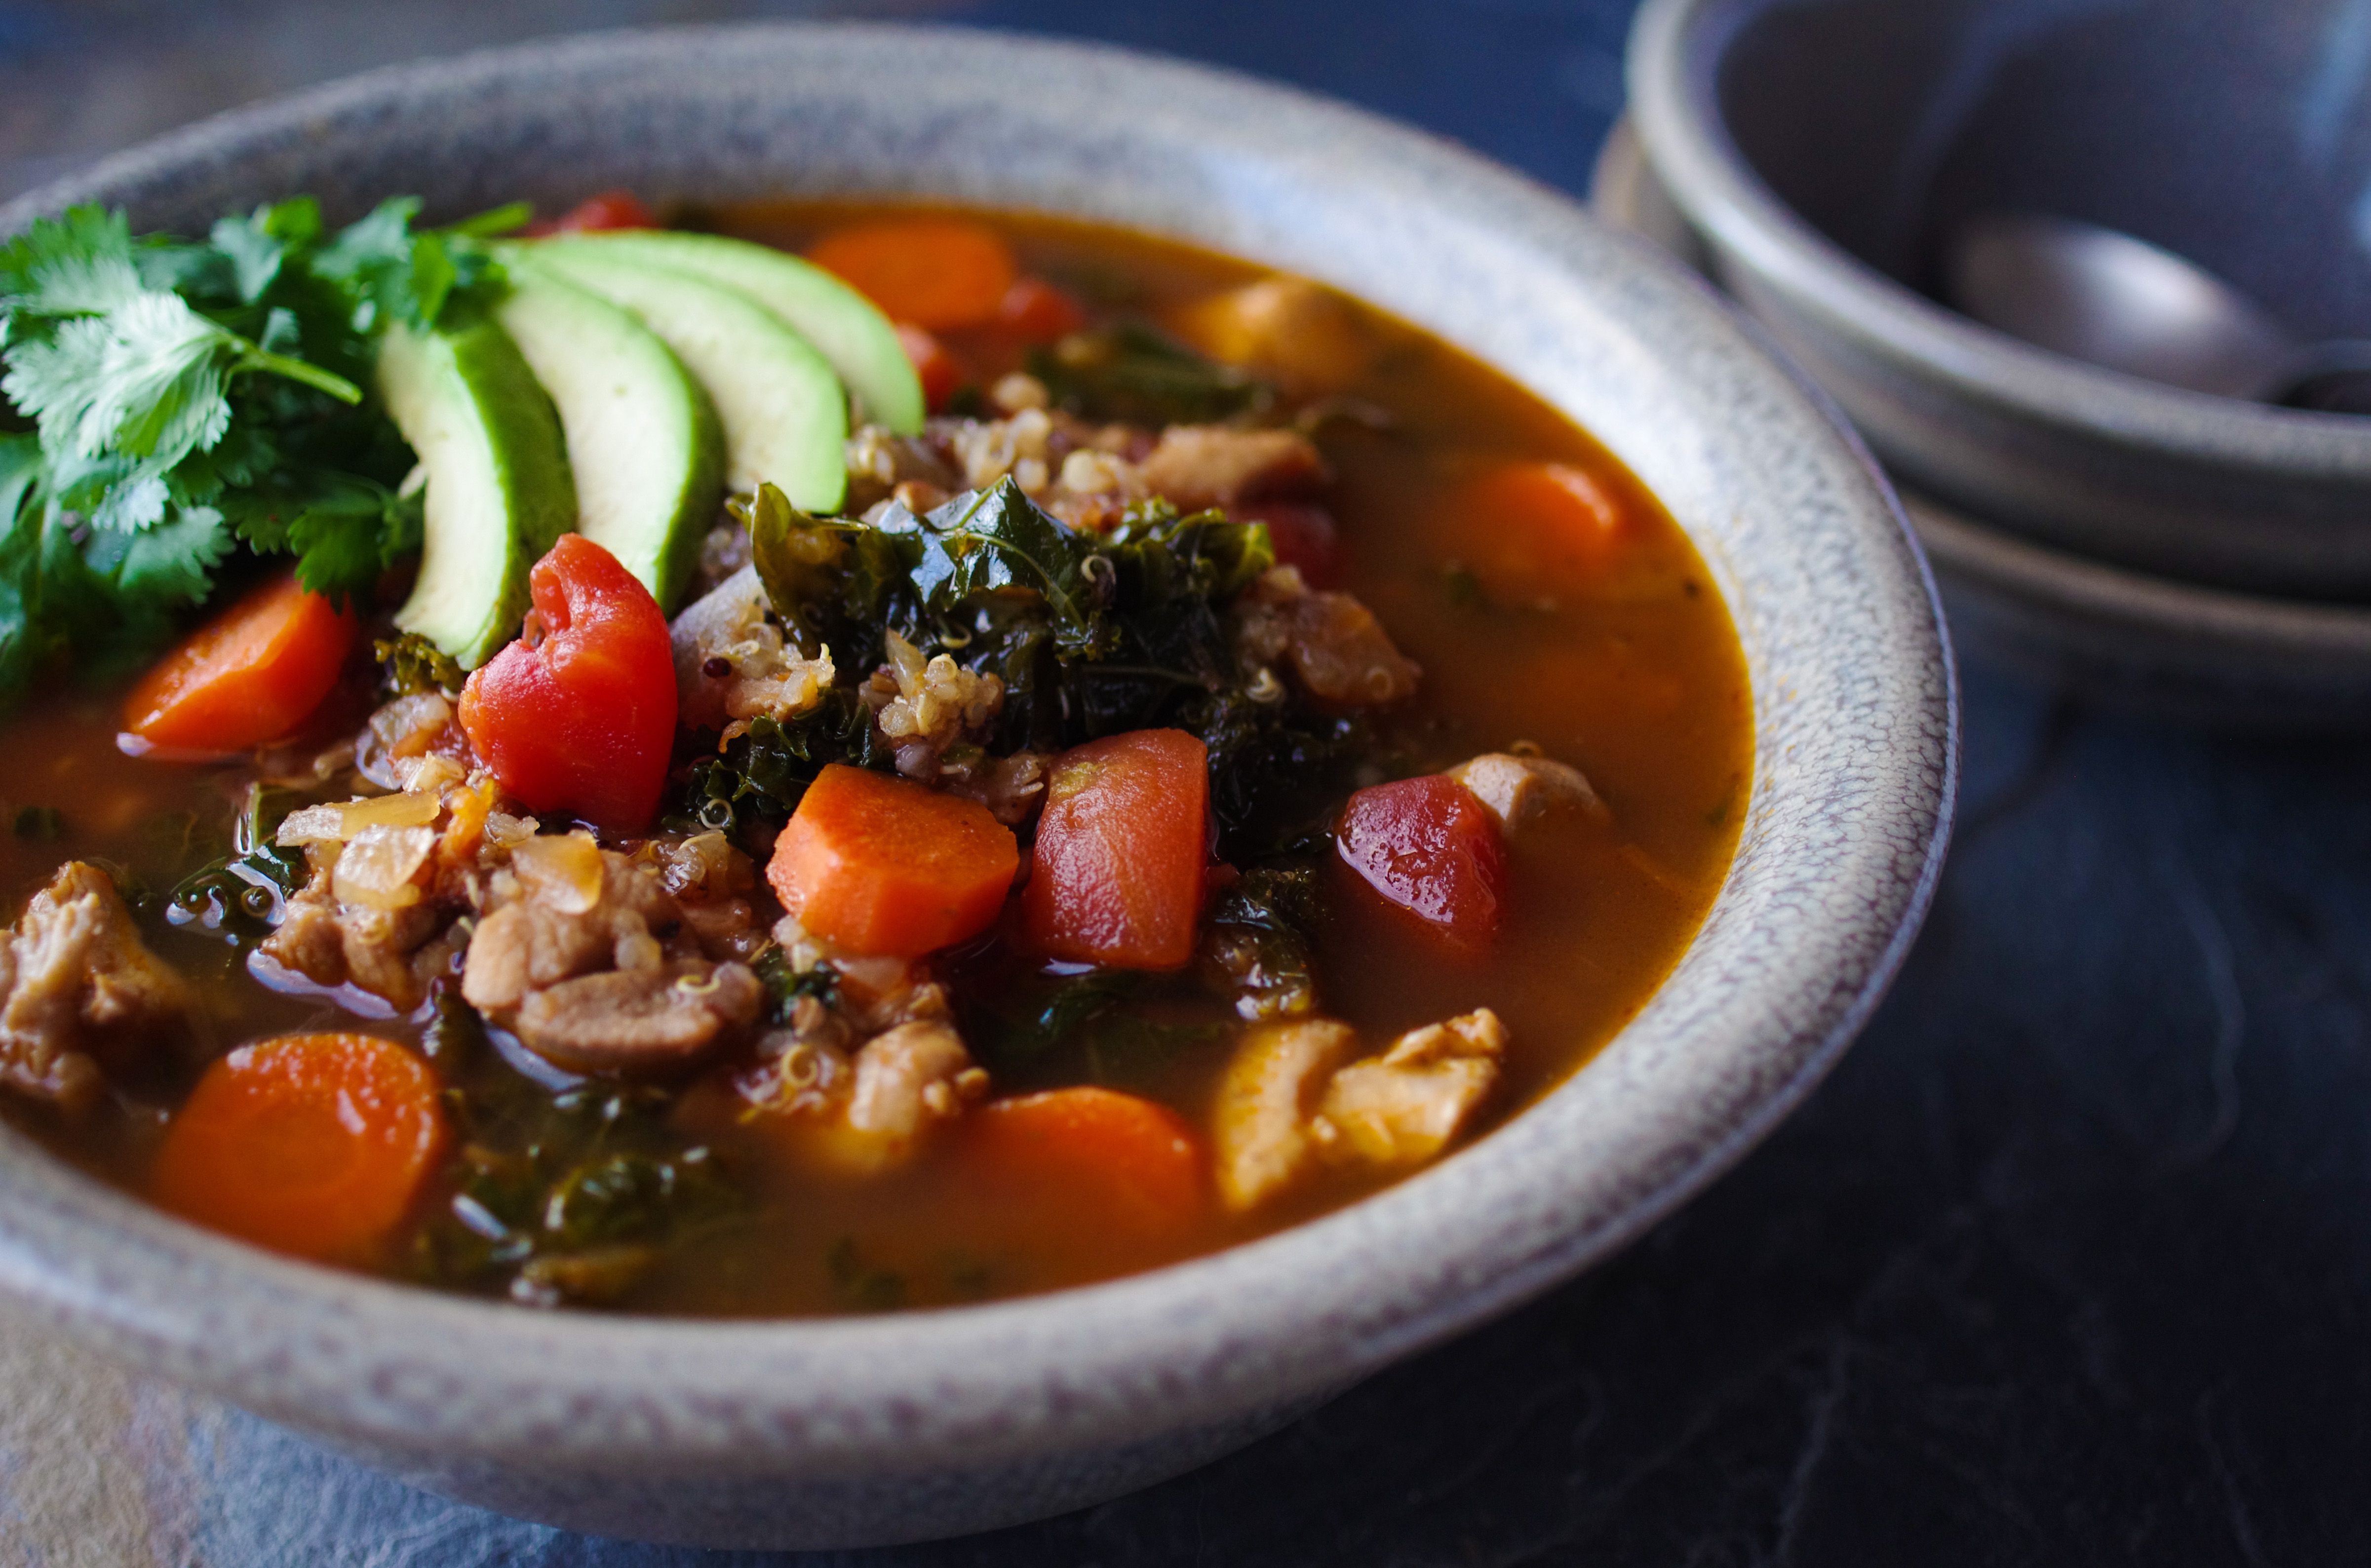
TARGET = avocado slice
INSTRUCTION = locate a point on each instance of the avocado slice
(784, 414)
(643, 442)
(843, 325)
(498, 486)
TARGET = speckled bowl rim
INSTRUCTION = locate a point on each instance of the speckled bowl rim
(1855, 709)
(1675, 48)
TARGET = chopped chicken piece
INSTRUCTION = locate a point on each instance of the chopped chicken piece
(541, 936)
(1199, 466)
(1334, 643)
(1305, 335)
(1403, 1107)
(385, 951)
(76, 983)
(732, 665)
(869, 1116)
(639, 1020)
(1518, 790)
(1261, 1125)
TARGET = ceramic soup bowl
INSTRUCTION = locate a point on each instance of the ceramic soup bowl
(926, 1424)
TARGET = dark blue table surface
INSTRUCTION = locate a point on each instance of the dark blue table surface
(2070, 1261)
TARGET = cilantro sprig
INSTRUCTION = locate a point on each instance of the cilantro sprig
(188, 399)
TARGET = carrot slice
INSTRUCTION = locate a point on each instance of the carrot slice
(1534, 526)
(886, 866)
(314, 1145)
(1121, 1165)
(250, 674)
(1117, 873)
(935, 273)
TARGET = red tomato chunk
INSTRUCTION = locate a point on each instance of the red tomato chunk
(611, 210)
(1117, 875)
(1429, 846)
(581, 722)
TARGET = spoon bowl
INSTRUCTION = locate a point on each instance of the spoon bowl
(2109, 299)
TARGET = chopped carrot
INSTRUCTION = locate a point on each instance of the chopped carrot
(1117, 1164)
(1535, 527)
(885, 866)
(250, 674)
(1117, 871)
(1037, 312)
(935, 273)
(941, 373)
(314, 1145)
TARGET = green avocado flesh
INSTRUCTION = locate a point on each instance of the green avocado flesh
(845, 327)
(644, 443)
(784, 414)
(498, 486)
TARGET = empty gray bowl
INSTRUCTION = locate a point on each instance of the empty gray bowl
(925, 1423)
(1824, 148)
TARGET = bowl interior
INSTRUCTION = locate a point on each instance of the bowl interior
(2236, 134)
(1854, 711)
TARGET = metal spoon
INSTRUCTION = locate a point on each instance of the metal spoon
(2109, 299)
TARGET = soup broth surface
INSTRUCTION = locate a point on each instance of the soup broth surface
(1623, 663)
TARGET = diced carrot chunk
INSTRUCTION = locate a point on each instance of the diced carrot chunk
(1117, 874)
(314, 1145)
(1529, 528)
(253, 674)
(1430, 847)
(938, 272)
(886, 866)
(1117, 1164)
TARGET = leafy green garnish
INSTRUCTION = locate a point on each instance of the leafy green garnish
(410, 665)
(190, 396)
(1134, 374)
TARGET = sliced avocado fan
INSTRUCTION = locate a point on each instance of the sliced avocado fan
(784, 414)
(846, 327)
(644, 440)
(497, 469)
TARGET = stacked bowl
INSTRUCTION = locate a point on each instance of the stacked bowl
(2194, 554)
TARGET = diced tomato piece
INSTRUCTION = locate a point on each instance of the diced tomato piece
(1037, 312)
(941, 373)
(1117, 875)
(253, 674)
(885, 866)
(1304, 537)
(580, 721)
(1428, 846)
(610, 210)
(939, 273)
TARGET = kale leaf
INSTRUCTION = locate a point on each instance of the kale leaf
(1134, 374)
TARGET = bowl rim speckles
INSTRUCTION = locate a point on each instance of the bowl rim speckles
(2213, 490)
(838, 1431)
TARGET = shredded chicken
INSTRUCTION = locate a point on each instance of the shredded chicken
(732, 665)
(1291, 1096)
(1199, 466)
(868, 1114)
(1260, 1130)
(387, 951)
(586, 955)
(638, 1019)
(1520, 791)
(1404, 1106)
(78, 984)
(1331, 640)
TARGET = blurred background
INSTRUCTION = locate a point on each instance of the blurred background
(1534, 82)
